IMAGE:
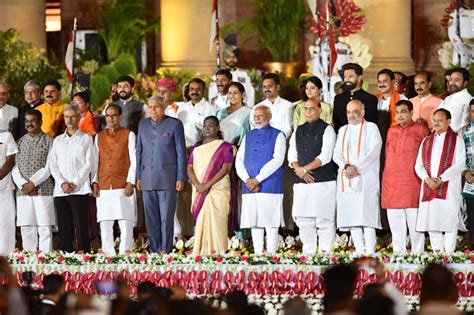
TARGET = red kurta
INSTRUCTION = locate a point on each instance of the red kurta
(400, 184)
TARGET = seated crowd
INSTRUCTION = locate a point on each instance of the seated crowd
(228, 164)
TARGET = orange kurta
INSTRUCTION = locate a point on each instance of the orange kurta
(52, 117)
(400, 184)
(423, 112)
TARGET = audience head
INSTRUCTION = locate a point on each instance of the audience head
(223, 79)
(125, 85)
(33, 121)
(236, 93)
(404, 112)
(271, 86)
(375, 301)
(196, 90)
(353, 77)
(146, 291)
(422, 82)
(458, 80)
(355, 111)
(166, 87)
(313, 87)
(54, 287)
(51, 91)
(32, 91)
(296, 306)
(262, 115)
(441, 120)
(385, 81)
(438, 285)
(340, 282)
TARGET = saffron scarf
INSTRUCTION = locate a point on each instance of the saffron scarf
(446, 161)
(394, 98)
(347, 154)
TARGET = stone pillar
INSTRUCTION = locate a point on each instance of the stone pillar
(185, 31)
(388, 31)
(26, 16)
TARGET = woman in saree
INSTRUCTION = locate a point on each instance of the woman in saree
(209, 164)
(234, 120)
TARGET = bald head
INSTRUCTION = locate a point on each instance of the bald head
(261, 116)
(355, 111)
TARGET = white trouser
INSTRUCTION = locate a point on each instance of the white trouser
(29, 237)
(443, 241)
(312, 229)
(7, 222)
(398, 219)
(107, 236)
(364, 239)
(272, 239)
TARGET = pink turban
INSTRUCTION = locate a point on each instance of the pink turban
(167, 83)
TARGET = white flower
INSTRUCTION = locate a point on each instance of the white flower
(235, 242)
(289, 241)
(360, 50)
(281, 241)
(445, 55)
(189, 243)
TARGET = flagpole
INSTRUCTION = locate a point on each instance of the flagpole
(329, 52)
(74, 29)
(458, 26)
(218, 44)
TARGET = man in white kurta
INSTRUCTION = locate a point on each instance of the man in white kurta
(259, 164)
(8, 113)
(8, 150)
(35, 209)
(314, 199)
(282, 110)
(440, 162)
(113, 182)
(457, 103)
(357, 153)
(193, 113)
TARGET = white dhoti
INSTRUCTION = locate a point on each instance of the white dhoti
(262, 211)
(7, 222)
(114, 205)
(314, 211)
(36, 217)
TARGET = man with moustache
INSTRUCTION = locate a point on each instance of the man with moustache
(400, 185)
(34, 196)
(8, 113)
(457, 103)
(193, 113)
(223, 79)
(282, 109)
(352, 86)
(357, 153)
(310, 156)
(132, 110)
(425, 103)
(440, 163)
(71, 160)
(259, 164)
(231, 58)
(400, 83)
(166, 87)
(52, 109)
(32, 100)
(161, 172)
(388, 97)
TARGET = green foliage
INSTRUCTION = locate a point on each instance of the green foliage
(123, 25)
(20, 62)
(110, 72)
(125, 65)
(276, 25)
(100, 88)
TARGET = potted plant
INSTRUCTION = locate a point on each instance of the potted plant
(277, 26)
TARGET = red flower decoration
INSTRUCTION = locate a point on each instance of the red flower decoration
(445, 260)
(197, 259)
(141, 259)
(472, 259)
(213, 252)
(303, 258)
(21, 258)
(450, 8)
(87, 258)
(243, 258)
(333, 260)
(275, 259)
(219, 259)
(60, 259)
(110, 260)
(40, 259)
(348, 19)
(386, 259)
(170, 260)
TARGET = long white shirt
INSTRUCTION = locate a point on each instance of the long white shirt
(238, 75)
(321, 196)
(7, 114)
(282, 115)
(358, 205)
(262, 209)
(72, 159)
(384, 103)
(458, 105)
(192, 117)
(220, 101)
(439, 214)
(7, 147)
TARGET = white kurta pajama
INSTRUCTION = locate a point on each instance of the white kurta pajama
(7, 205)
(358, 208)
(112, 205)
(318, 219)
(458, 105)
(442, 216)
(262, 210)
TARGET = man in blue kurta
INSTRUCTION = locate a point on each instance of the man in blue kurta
(259, 164)
(161, 172)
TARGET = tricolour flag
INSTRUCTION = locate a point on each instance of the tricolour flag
(213, 36)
